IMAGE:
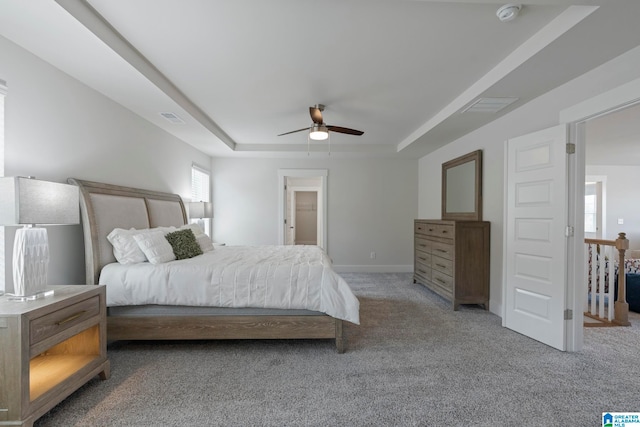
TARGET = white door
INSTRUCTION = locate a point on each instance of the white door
(535, 242)
(291, 217)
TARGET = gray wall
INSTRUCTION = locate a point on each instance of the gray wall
(56, 127)
(371, 206)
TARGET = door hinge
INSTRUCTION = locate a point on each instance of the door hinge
(568, 232)
(285, 187)
(285, 221)
(568, 314)
(571, 148)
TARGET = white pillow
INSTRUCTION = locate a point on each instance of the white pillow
(197, 231)
(125, 248)
(155, 247)
(205, 243)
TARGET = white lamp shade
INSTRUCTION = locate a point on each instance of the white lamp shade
(200, 210)
(32, 201)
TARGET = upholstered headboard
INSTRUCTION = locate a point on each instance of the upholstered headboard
(104, 207)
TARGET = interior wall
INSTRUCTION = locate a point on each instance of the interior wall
(541, 113)
(371, 207)
(623, 201)
(57, 127)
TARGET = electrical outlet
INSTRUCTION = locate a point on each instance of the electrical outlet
(373, 255)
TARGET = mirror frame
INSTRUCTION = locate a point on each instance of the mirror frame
(464, 216)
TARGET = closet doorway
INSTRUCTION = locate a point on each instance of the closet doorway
(302, 219)
(303, 207)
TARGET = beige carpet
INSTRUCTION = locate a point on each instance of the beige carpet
(412, 361)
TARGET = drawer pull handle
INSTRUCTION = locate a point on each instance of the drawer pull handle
(444, 231)
(441, 281)
(419, 228)
(423, 246)
(441, 250)
(441, 266)
(422, 258)
(422, 271)
(70, 318)
(431, 229)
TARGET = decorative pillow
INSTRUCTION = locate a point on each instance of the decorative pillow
(204, 242)
(125, 248)
(155, 247)
(184, 244)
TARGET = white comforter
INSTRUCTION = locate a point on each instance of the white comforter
(289, 277)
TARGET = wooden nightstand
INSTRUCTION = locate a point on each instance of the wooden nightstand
(49, 348)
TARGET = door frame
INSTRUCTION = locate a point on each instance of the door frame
(576, 118)
(323, 174)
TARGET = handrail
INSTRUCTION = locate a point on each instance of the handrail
(621, 307)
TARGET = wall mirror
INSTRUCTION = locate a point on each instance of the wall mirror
(462, 188)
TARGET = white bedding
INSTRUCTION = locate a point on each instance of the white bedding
(288, 277)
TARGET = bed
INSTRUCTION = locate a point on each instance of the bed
(315, 300)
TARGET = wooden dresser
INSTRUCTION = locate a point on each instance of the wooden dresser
(452, 259)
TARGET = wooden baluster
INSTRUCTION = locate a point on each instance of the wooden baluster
(621, 306)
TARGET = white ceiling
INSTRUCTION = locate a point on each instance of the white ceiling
(240, 72)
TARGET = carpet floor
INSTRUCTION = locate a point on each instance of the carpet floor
(412, 361)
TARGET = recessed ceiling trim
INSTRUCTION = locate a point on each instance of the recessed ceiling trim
(100, 27)
(550, 32)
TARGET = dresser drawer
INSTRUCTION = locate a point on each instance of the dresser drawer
(421, 228)
(443, 230)
(423, 259)
(53, 323)
(422, 271)
(423, 245)
(442, 280)
(443, 250)
(442, 264)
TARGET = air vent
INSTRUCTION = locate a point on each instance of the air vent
(173, 118)
(488, 105)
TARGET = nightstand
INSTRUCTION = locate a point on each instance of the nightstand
(50, 347)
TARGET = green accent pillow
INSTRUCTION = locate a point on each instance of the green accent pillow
(184, 244)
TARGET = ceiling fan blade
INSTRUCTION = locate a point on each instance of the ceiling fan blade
(316, 113)
(340, 129)
(294, 131)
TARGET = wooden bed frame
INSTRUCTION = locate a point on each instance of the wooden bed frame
(98, 253)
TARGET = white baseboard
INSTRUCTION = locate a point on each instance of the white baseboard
(373, 268)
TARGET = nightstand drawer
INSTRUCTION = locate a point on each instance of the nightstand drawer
(50, 324)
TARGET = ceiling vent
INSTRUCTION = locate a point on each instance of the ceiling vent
(172, 118)
(488, 105)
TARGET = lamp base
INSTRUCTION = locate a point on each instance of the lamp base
(30, 261)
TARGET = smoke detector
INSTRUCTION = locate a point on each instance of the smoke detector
(508, 12)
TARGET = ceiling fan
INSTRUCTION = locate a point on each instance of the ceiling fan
(319, 130)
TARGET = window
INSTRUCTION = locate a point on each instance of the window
(590, 208)
(201, 192)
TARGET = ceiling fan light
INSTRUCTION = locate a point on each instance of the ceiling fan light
(319, 133)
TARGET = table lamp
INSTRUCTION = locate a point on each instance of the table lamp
(28, 201)
(200, 210)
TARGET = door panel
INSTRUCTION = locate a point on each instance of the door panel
(535, 244)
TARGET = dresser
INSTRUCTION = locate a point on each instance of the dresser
(452, 259)
(50, 347)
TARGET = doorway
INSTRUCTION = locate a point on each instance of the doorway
(303, 207)
(302, 221)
